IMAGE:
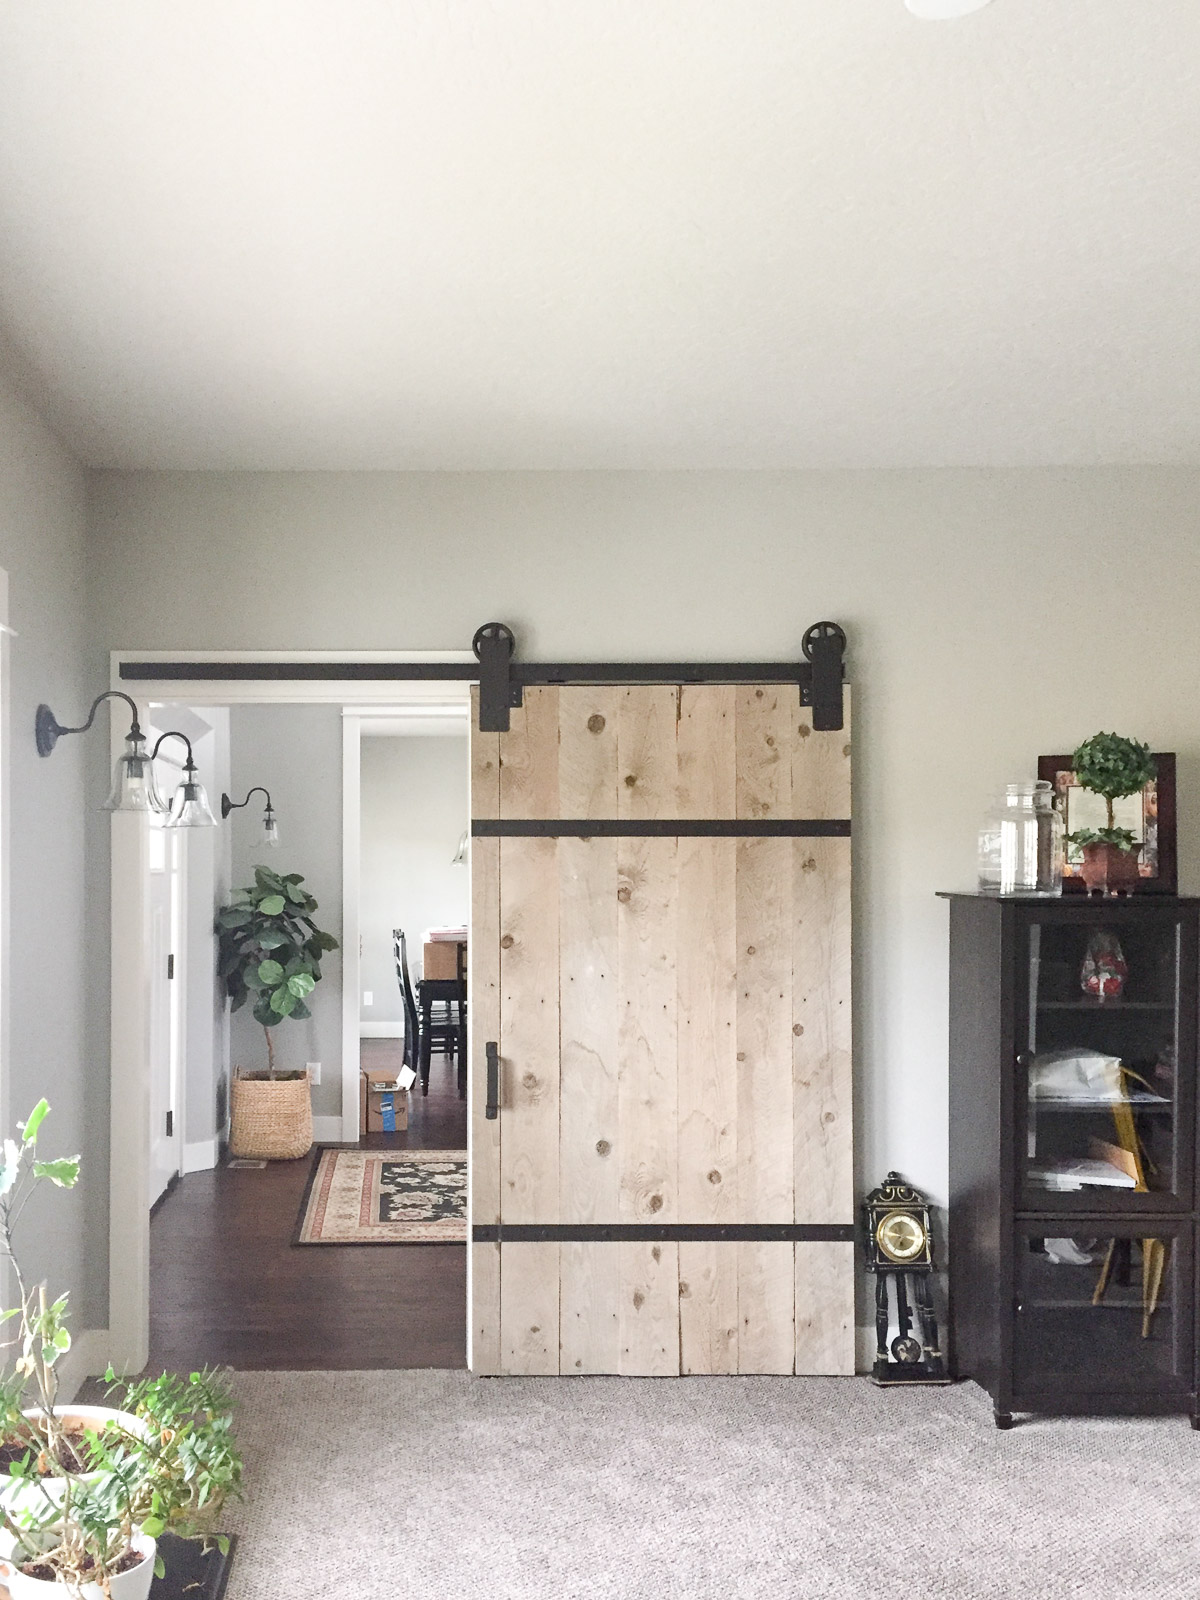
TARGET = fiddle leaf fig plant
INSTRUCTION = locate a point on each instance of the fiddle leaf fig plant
(1112, 767)
(271, 949)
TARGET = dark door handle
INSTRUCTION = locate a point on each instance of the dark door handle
(492, 1109)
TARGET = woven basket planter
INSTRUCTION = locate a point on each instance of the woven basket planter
(270, 1119)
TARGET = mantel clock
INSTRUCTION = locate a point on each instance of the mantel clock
(899, 1244)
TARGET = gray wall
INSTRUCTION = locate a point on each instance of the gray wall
(296, 753)
(414, 809)
(993, 616)
(56, 1046)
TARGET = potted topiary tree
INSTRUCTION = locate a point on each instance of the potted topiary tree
(270, 955)
(1113, 768)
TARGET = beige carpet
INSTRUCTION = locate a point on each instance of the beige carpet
(444, 1487)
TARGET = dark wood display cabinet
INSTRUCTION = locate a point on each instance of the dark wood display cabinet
(1073, 1131)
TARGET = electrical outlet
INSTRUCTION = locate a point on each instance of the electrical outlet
(314, 1071)
(368, 997)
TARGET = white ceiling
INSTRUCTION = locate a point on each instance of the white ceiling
(604, 233)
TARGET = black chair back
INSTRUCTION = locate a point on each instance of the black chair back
(411, 1030)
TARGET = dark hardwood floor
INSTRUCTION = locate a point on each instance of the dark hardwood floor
(228, 1287)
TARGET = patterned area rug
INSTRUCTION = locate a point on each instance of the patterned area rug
(375, 1197)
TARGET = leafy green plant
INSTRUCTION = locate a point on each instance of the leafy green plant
(271, 949)
(1112, 767)
(78, 1496)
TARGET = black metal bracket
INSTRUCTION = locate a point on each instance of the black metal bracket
(825, 646)
(493, 645)
(661, 1232)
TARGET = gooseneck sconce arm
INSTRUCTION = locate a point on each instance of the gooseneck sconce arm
(270, 828)
(133, 777)
(49, 730)
(189, 807)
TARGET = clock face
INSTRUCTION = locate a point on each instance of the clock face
(900, 1236)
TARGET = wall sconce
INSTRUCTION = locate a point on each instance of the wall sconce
(188, 807)
(133, 787)
(270, 828)
(459, 858)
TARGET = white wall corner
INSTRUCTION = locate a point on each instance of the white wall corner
(864, 1348)
(200, 1156)
(328, 1130)
(87, 1358)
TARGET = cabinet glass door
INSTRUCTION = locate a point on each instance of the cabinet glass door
(1105, 1082)
(1101, 1311)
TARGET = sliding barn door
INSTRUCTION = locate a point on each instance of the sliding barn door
(660, 955)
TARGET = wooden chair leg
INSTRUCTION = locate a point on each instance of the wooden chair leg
(1154, 1262)
(1105, 1272)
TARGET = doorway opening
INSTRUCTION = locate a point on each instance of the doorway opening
(370, 809)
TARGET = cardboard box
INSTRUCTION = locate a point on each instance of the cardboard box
(441, 961)
(374, 1084)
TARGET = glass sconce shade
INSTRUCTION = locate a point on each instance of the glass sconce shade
(133, 787)
(189, 807)
(270, 830)
(459, 858)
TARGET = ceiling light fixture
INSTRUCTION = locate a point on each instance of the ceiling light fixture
(270, 828)
(944, 10)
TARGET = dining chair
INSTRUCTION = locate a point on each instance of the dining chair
(412, 1031)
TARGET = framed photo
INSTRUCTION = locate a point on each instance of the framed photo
(1150, 814)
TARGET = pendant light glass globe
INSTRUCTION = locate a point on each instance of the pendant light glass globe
(944, 10)
(189, 807)
(270, 831)
(133, 785)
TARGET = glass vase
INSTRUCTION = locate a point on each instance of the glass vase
(1021, 842)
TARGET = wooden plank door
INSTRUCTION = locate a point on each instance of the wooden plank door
(660, 949)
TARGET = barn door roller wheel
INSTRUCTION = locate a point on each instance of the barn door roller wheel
(824, 646)
(493, 645)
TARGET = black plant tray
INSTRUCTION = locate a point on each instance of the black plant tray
(193, 1573)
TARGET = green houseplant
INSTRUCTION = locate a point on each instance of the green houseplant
(86, 1490)
(1112, 767)
(270, 953)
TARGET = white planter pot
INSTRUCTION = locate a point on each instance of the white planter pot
(131, 1585)
(15, 1492)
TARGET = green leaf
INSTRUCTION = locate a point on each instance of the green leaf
(297, 894)
(301, 984)
(271, 939)
(160, 1566)
(300, 1012)
(29, 1128)
(238, 1000)
(270, 973)
(64, 1172)
(235, 916)
(283, 1002)
(62, 1339)
(152, 1526)
(271, 905)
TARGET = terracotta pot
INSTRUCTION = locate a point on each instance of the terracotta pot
(270, 1118)
(1107, 869)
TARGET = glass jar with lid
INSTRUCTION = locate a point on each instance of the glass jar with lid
(1021, 842)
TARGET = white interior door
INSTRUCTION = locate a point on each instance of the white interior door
(166, 1019)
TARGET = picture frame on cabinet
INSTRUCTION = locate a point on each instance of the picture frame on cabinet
(1150, 814)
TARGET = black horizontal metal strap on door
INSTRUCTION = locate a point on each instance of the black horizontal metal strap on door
(660, 828)
(502, 680)
(492, 1108)
(662, 1232)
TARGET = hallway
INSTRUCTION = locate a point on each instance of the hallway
(227, 1286)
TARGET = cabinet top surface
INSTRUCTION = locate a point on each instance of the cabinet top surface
(1162, 900)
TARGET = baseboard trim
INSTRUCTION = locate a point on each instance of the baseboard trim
(381, 1030)
(202, 1156)
(87, 1358)
(327, 1130)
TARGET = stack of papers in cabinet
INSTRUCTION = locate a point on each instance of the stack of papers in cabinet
(1080, 1173)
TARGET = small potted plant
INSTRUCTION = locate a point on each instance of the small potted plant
(90, 1488)
(1112, 767)
(270, 955)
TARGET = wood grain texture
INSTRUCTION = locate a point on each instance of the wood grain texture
(483, 1023)
(529, 1040)
(529, 758)
(529, 1287)
(821, 1033)
(821, 766)
(590, 1328)
(649, 1310)
(825, 1308)
(646, 749)
(484, 1354)
(708, 1307)
(648, 1043)
(587, 751)
(766, 1307)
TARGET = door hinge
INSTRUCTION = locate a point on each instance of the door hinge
(170, 1124)
(170, 966)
